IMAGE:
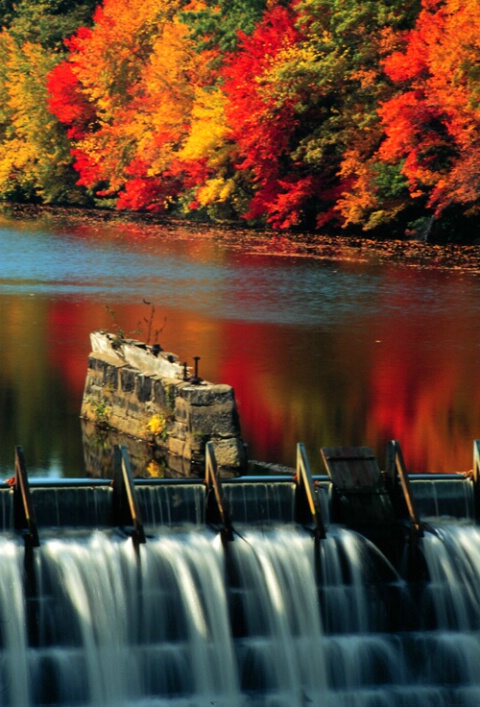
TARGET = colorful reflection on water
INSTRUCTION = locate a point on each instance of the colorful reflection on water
(327, 353)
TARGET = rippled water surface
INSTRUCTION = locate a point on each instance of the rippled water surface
(324, 352)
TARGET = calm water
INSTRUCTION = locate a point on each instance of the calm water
(321, 352)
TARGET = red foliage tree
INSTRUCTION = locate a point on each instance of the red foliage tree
(67, 101)
(432, 125)
(263, 120)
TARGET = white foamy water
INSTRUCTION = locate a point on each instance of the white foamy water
(262, 622)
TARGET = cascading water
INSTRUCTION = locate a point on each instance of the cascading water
(272, 619)
(14, 681)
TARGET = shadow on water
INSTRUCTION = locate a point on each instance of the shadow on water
(146, 462)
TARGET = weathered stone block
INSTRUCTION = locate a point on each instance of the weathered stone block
(214, 421)
(179, 430)
(111, 377)
(127, 379)
(95, 392)
(101, 367)
(143, 388)
(178, 447)
(119, 401)
(182, 410)
(133, 408)
(230, 453)
(158, 394)
(206, 394)
(178, 466)
(89, 383)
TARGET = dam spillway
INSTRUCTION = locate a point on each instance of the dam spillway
(145, 602)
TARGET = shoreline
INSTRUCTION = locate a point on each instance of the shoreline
(340, 247)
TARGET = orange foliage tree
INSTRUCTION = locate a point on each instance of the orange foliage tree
(125, 91)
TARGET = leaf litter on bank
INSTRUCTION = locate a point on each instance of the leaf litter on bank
(340, 247)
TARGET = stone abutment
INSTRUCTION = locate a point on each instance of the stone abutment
(146, 395)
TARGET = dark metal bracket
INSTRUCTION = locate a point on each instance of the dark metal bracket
(24, 512)
(307, 506)
(396, 470)
(25, 523)
(125, 508)
(215, 510)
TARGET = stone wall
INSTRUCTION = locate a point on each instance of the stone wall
(130, 389)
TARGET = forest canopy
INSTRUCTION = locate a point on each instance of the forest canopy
(312, 114)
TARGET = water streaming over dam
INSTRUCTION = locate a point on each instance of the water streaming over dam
(273, 618)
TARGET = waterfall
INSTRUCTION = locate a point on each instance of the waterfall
(452, 597)
(274, 618)
(14, 664)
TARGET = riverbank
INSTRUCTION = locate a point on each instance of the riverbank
(410, 253)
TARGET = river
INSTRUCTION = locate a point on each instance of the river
(324, 351)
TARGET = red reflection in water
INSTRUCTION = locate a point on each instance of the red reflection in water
(248, 367)
(411, 378)
(68, 328)
(424, 376)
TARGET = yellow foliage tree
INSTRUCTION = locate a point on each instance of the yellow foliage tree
(209, 142)
(34, 153)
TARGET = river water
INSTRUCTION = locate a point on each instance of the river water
(321, 351)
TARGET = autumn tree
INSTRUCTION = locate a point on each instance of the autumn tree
(137, 70)
(432, 124)
(229, 120)
(217, 24)
(347, 41)
(35, 160)
(263, 120)
(46, 22)
(261, 110)
(303, 112)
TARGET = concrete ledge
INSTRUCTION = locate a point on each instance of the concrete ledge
(137, 355)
